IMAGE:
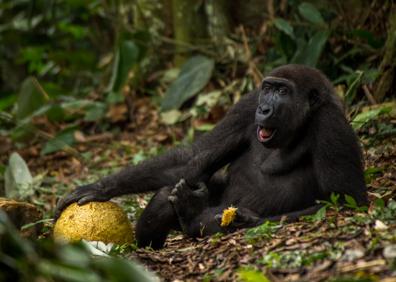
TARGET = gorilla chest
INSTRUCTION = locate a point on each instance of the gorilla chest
(252, 186)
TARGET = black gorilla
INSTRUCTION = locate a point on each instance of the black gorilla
(277, 151)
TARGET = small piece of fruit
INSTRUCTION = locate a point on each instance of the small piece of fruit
(94, 221)
(229, 215)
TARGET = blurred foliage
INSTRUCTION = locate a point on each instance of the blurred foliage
(69, 61)
(44, 260)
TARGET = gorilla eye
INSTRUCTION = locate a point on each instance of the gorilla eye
(283, 90)
(266, 89)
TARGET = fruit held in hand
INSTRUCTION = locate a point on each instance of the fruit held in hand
(94, 221)
(229, 215)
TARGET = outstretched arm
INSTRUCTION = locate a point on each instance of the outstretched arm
(196, 163)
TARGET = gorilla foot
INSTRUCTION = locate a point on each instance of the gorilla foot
(188, 202)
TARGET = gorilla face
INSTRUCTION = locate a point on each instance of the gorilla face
(279, 114)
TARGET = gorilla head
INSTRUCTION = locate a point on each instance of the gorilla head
(288, 95)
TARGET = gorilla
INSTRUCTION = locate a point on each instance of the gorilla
(278, 151)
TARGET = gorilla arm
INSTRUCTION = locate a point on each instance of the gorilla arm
(196, 163)
(337, 155)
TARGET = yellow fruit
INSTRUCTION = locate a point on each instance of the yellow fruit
(228, 216)
(94, 221)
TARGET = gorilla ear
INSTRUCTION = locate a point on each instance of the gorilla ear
(315, 99)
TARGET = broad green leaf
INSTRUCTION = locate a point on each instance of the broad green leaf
(284, 26)
(64, 272)
(62, 140)
(127, 55)
(367, 116)
(194, 75)
(310, 13)
(18, 180)
(30, 98)
(119, 270)
(309, 53)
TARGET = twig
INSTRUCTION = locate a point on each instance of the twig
(368, 94)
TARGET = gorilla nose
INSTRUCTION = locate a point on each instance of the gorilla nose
(265, 111)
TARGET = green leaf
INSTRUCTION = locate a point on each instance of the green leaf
(356, 79)
(251, 275)
(66, 272)
(320, 214)
(30, 98)
(127, 55)
(284, 26)
(7, 102)
(371, 172)
(194, 75)
(118, 270)
(95, 112)
(171, 117)
(350, 202)
(365, 117)
(380, 203)
(18, 180)
(205, 127)
(310, 13)
(309, 53)
(62, 140)
(334, 198)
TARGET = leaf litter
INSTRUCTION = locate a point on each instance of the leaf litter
(347, 243)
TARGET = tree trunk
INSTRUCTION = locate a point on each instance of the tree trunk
(189, 27)
(387, 81)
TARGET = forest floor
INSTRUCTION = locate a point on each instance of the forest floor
(347, 243)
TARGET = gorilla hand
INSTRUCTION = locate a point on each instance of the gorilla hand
(82, 195)
(244, 218)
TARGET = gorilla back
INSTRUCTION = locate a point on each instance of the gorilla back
(277, 151)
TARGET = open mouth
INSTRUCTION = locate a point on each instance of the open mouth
(265, 134)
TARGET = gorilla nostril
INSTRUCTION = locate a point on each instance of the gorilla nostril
(266, 110)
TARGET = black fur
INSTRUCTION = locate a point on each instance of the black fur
(312, 153)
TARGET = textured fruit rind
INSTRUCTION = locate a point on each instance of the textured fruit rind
(228, 216)
(94, 221)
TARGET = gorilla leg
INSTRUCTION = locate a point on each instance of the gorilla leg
(156, 221)
(195, 216)
(188, 202)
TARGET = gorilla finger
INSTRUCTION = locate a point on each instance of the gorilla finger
(63, 203)
(91, 198)
(181, 183)
(172, 199)
(202, 191)
(202, 186)
(218, 218)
